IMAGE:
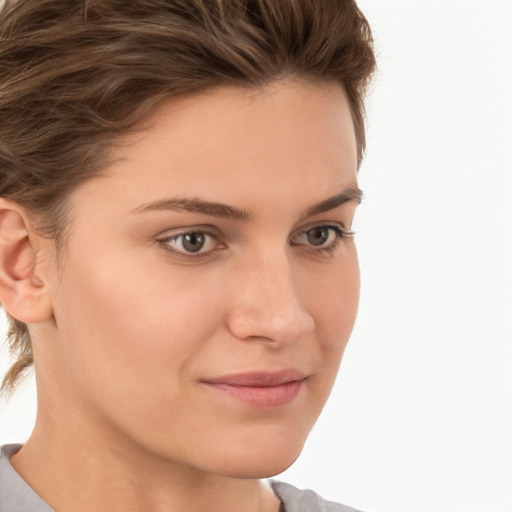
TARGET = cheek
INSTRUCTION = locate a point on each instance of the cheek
(334, 303)
(129, 327)
(334, 299)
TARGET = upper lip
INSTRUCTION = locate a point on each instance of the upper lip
(259, 378)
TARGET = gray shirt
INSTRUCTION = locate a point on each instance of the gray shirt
(17, 496)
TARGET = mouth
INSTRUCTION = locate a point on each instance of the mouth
(260, 389)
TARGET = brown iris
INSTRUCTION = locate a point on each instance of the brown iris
(317, 236)
(193, 242)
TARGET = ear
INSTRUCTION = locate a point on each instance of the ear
(23, 292)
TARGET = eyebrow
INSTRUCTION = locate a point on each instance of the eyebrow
(213, 209)
(352, 194)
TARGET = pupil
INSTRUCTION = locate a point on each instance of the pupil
(318, 236)
(193, 242)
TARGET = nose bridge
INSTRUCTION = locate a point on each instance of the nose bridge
(268, 305)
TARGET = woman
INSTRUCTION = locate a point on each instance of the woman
(178, 182)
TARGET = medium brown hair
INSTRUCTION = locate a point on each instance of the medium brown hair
(77, 74)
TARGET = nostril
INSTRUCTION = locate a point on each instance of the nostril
(268, 306)
(259, 324)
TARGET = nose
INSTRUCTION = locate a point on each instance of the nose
(266, 305)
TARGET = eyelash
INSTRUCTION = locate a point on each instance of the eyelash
(164, 242)
(341, 234)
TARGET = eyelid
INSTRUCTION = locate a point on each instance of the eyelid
(335, 226)
(341, 233)
(328, 249)
(183, 230)
(170, 235)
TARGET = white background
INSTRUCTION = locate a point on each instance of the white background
(420, 419)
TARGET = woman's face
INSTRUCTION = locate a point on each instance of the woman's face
(209, 283)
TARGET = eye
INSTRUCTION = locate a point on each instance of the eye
(191, 243)
(322, 237)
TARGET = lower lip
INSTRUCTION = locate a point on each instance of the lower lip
(271, 396)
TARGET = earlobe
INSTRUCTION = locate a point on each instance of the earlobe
(23, 292)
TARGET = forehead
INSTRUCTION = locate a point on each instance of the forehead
(231, 143)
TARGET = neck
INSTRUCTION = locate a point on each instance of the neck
(80, 468)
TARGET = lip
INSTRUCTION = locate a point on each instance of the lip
(260, 388)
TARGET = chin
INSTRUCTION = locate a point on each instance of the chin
(261, 459)
(257, 469)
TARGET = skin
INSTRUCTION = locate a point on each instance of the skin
(125, 331)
